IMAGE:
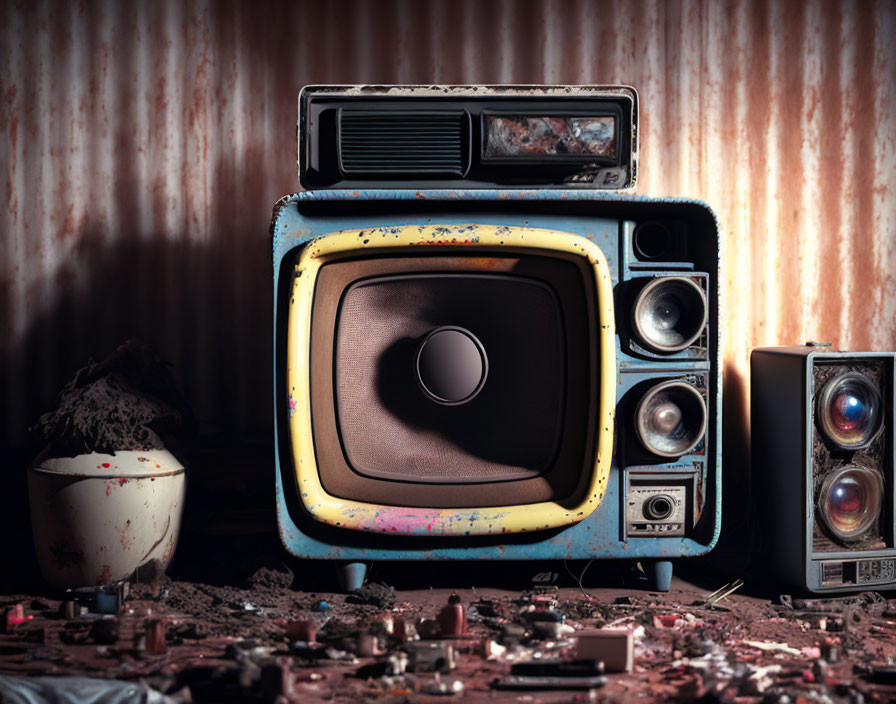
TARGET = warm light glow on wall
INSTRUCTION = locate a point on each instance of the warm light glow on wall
(145, 145)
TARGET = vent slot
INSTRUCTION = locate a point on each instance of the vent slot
(403, 142)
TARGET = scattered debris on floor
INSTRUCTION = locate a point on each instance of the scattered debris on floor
(184, 641)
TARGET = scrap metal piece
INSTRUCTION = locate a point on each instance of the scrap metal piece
(722, 593)
(429, 628)
(614, 647)
(521, 682)
(545, 623)
(402, 629)
(430, 656)
(574, 674)
(303, 630)
(442, 687)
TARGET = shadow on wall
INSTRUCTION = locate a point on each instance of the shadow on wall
(735, 546)
(183, 298)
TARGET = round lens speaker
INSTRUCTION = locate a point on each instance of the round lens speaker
(669, 313)
(849, 410)
(849, 501)
(671, 419)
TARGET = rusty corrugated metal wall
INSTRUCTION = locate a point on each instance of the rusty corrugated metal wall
(145, 143)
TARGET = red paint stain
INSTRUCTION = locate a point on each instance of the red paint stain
(106, 465)
(121, 481)
(127, 542)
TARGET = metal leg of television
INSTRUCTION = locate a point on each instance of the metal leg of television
(352, 575)
(659, 575)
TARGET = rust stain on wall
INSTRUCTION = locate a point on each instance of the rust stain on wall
(145, 145)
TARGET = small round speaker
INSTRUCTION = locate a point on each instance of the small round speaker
(849, 410)
(669, 314)
(671, 418)
(849, 501)
(652, 240)
(659, 507)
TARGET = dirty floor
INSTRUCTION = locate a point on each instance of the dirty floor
(264, 641)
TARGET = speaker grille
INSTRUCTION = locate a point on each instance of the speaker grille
(390, 428)
(828, 459)
(523, 438)
(402, 142)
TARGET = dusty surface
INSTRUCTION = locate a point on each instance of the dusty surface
(229, 643)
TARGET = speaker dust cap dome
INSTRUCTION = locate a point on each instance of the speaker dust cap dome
(669, 314)
(671, 418)
(451, 365)
(849, 410)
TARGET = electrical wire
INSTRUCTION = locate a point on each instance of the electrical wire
(579, 579)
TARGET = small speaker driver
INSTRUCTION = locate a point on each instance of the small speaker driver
(669, 314)
(849, 501)
(849, 410)
(671, 419)
(659, 507)
(652, 240)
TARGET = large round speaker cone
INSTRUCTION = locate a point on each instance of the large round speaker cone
(849, 410)
(671, 419)
(849, 501)
(669, 314)
(451, 365)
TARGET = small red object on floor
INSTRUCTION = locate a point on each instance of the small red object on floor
(16, 615)
(665, 620)
(453, 618)
(155, 636)
(302, 630)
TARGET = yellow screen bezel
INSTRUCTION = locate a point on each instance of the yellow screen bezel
(378, 518)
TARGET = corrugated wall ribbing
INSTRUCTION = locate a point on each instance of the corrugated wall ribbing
(145, 143)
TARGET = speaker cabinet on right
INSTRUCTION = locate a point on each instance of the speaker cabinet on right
(822, 458)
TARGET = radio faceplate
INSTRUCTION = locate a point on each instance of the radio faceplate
(659, 504)
(468, 136)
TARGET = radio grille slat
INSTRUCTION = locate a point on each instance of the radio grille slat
(397, 142)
